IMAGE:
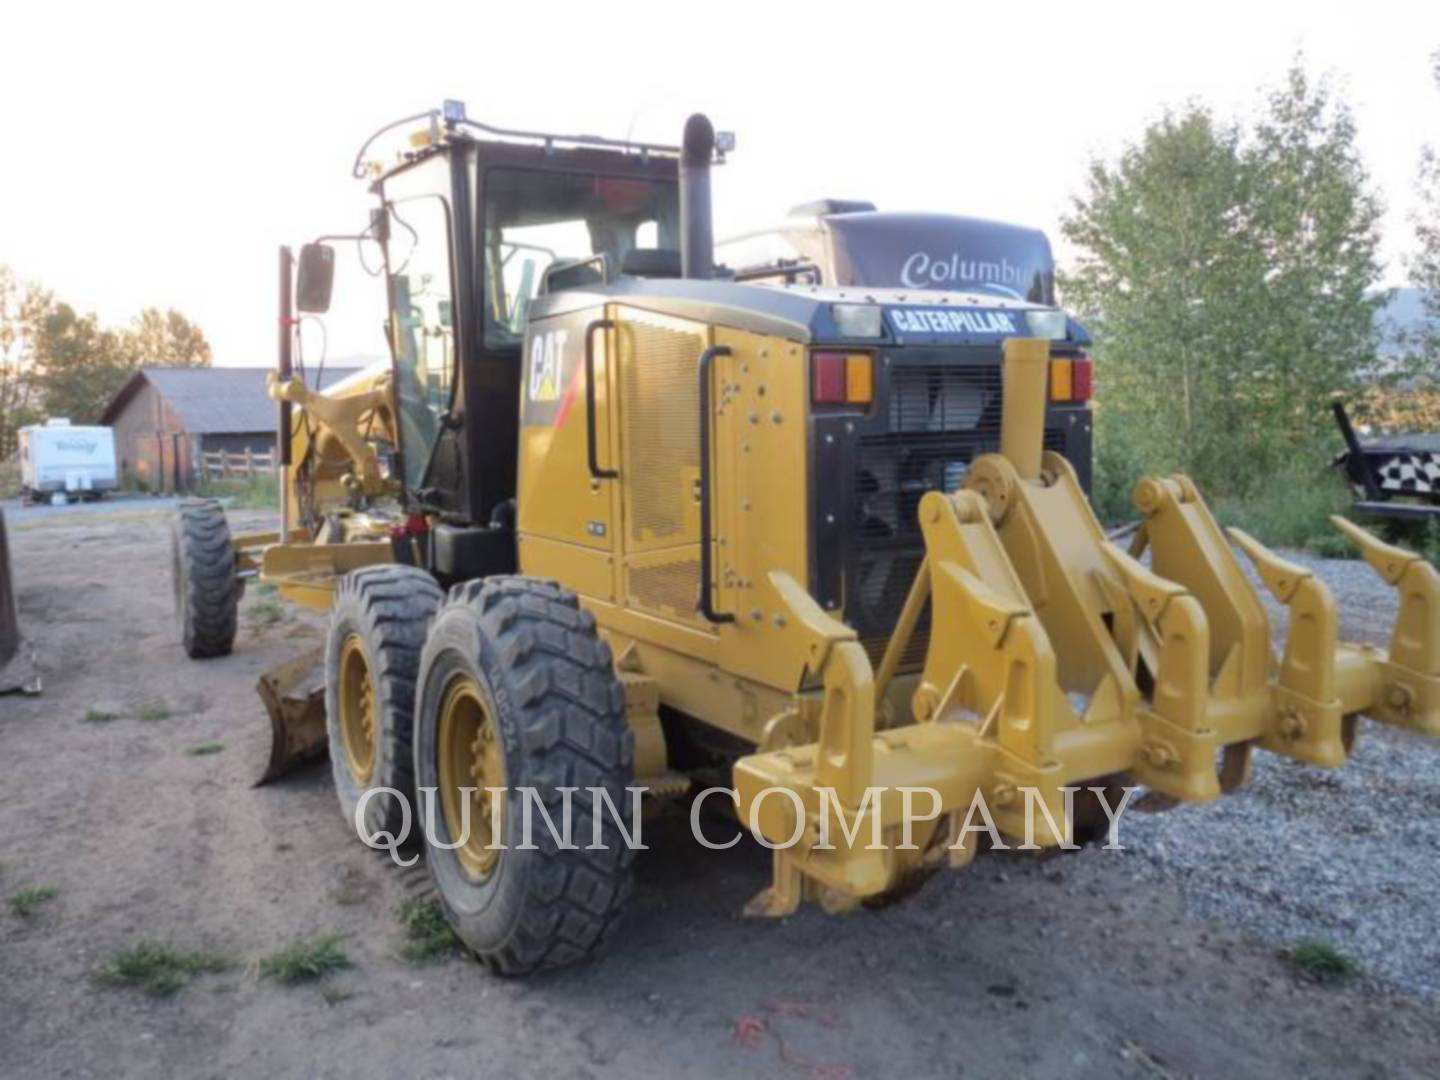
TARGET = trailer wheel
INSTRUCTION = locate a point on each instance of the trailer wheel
(207, 592)
(517, 691)
(372, 649)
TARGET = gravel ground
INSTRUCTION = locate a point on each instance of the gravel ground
(1349, 856)
(1146, 963)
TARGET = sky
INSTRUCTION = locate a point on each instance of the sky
(157, 155)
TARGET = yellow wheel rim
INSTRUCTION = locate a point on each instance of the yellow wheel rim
(470, 757)
(358, 709)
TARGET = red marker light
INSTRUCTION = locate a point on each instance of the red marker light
(827, 378)
(1082, 379)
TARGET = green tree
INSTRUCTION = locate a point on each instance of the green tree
(167, 338)
(1317, 220)
(79, 364)
(1229, 277)
(57, 362)
(19, 391)
(1424, 264)
(1165, 277)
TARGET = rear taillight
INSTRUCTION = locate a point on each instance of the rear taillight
(1082, 379)
(827, 378)
(838, 378)
(1062, 375)
(1071, 379)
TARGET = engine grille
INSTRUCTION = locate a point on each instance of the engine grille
(670, 586)
(662, 402)
(662, 452)
(938, 397)
(940, 418)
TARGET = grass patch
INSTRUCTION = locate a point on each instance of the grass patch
(154, 711)
(1422, 537)
(354, 888)
(98, 716)
(265, 611)
(313, 958)
(1427, 540)
(205, 748)
(1321, 961)
(262, 493)
(428, 935)
(27, 901)
(1292, 509)
(159, 969)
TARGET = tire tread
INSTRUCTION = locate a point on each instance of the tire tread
(570, 709)
(211, 591)
(390, 606)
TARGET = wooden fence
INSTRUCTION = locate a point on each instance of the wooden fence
(242, 465)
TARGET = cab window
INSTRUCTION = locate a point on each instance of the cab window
(422, 325)
(571, 225)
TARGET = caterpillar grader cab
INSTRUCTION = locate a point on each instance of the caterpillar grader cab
(613, 518)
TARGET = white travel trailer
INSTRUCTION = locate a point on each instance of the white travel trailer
(60, 457)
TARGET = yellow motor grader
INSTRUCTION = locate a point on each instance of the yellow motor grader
(612, 518)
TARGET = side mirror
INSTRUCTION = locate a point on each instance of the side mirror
(315, 277)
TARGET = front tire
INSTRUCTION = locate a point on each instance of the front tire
(516, 686)
(207, 592)
(372, 650)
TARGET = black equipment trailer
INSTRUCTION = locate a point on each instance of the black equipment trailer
(1396, 476)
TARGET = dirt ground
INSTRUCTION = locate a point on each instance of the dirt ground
(1018, 967)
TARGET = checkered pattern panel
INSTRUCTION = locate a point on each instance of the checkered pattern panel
(1412, 474)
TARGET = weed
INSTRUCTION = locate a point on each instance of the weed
(266, 611)
(262, 493)
(153, 711)
(1321, 961)
(1429, 544)
(98, 716)
(159, 969)
(1422, 537)
(25, 902)
(429, 935)
(205, 748)
(1292, 509)
(313, 958)
(355, 889)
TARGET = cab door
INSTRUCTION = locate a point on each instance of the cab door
(568, 500)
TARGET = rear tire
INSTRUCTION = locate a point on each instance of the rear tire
(529, 661)
(372, 649)
(207, 592)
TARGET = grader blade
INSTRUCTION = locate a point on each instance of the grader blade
(17, 658)
(1058, 661)
(294, 696)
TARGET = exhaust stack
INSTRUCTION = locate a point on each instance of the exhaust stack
(697, 233)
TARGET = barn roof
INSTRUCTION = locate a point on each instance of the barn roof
(214, 400)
